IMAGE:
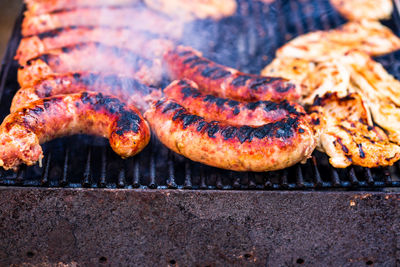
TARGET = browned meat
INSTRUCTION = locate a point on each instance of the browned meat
(186, 93)
(128, 90)
(142, 43)
(90, 113)
(370, 37)
(90, 57)
(347, 137)
(272, 146)
(185, 62)
(136, 18)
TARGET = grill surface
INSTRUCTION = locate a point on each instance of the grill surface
(246, 41)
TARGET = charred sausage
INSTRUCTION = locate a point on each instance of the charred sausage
(143, 43)
(90, 113)
(90, 56)
(128, 90)
(272, 146)
(186, 93)
(185, 62)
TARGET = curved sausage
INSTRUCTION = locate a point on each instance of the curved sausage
(90, 56)
(90, 113)
(273, 146)
(186, 93)
(144, 43)
(185, 62)
(128, 90)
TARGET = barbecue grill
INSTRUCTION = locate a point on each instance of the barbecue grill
(85, 205)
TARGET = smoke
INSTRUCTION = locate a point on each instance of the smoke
(126, 38)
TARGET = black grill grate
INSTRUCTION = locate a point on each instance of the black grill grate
(247, 41)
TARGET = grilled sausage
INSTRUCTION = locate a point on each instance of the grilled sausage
(128, 90)
(185, 62)
(273, 146)
(144, 19)
(186, 93)
(90, 57)
(143, 43)
(90, 113)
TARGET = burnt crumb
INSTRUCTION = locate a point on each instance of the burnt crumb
(183, 83)
(349, 158)
(210, 98)
(37, 110)
(229, 132)
(190, 119)
(346, 98)
(236, 111)
(370, 128)
(201, 125)
(258, 82)
(220, 74)
(301, 130)
(362, 154)
(253, 105)
(245, 133)
(77, 104)
(212, 129)
(50, 34)
(190, 59)
(66, 49)
(171, 106)
(240, 80)
(179, 114)
(207, 71)
(190, 92)
(159, 103)
(77, 76)
(316, 121)
(128, 121)
(85, 98)
(199, 62)
(317, 101)
(283, 88)
(344, 148)
(221, 101)
(233, 103)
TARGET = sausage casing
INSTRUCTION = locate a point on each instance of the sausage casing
(186, 93)
(185, 62)
(90, 56)
(272, 146)
(91, 113)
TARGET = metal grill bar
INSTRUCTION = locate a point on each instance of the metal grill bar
(254, 33)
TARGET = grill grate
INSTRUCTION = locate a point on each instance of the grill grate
(246, 41)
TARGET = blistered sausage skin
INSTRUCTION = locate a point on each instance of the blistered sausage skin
(22, 132)
(90, 56)
(185, 92)
(273, 146)
(144, 43)
(185, 62)
(129, 90)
